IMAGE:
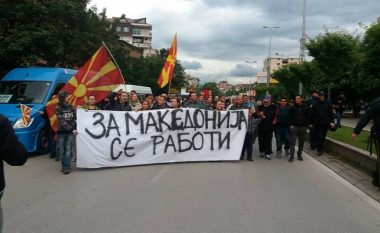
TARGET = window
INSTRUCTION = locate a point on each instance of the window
(24, 92)
(118, 29)
(125, 29)
(136, 31)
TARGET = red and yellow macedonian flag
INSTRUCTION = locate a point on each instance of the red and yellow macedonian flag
(98, 77)
(25, 112)
(168, 69)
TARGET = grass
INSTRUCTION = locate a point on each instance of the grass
(344, 135)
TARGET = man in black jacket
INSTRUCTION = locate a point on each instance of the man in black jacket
(310, 103)
(118, 103)
(66, 116)
(322, 118)
(299, 121)
(161, 103)
(281, 130)
(238, 104)
(11, 151)
(373, 113)
(266, 127)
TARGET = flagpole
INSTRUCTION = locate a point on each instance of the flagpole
(114, 61)
(170, 83)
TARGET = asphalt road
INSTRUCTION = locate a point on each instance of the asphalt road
(260, 196)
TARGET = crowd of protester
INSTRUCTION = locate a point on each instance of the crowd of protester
(288, 121)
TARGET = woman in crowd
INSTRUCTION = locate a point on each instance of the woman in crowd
(145, 105)
(135, 103)
(219, 105)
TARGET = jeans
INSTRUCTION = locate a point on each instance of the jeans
(65, 141)
(282, 135)
(338, 116)
(300, 133)
(248, 141)
(74, 148)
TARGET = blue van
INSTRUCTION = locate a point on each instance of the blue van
(32, 87)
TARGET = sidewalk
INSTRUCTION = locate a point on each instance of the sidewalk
(351, 122)
(358, 178)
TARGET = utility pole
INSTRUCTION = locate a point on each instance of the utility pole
(269, 54)
(250, 74)
(302, 44)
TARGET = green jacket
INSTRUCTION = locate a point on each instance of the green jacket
(85, 106)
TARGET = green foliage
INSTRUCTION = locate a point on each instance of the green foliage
(232, 92)
(146, 70)
(368, 82)
(275, 91)
(60, 32)
(66, 33)
(290, 76)
(344, 135)
(336, 55)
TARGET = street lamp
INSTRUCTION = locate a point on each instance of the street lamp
(270, 51)
(302, 44)
(250, 73)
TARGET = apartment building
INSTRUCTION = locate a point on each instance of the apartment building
(192, 82)
(136, 32)
(279, 62)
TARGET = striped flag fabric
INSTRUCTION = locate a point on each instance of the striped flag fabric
(25, 113)
(169, 65)
(98, 77)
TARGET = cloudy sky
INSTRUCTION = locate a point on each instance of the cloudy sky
(216, 37)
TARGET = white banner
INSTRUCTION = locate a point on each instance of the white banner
(111, 138)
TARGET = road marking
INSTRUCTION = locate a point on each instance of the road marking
(355, 189)
(160, 174)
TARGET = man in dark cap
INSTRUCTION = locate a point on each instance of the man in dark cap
(322, 118)
(267, 112)
(66, 130)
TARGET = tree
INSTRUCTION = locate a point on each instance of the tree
(276, 91)
(289, 77)
(232, 92)
(146, 70)
(368, 82)
(55, 33)
(336, 55)
(66, 33)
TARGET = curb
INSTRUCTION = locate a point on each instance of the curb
(352, 153)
